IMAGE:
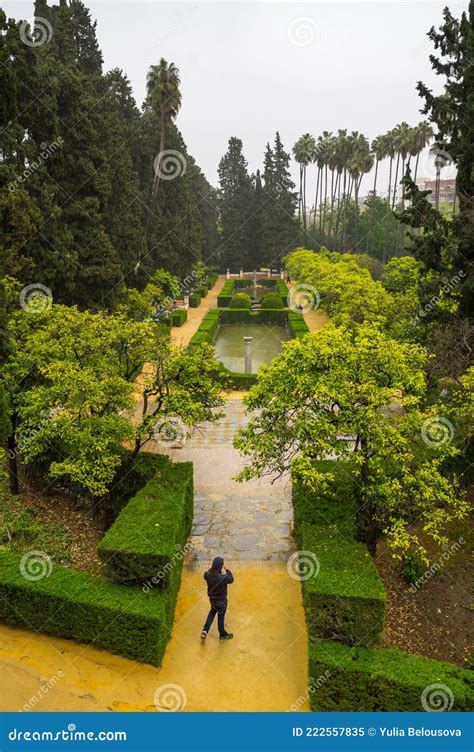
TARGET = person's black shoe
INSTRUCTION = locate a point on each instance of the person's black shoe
(203, 635)
(227, 636)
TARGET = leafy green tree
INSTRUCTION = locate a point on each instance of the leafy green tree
(452, 112)
(356, 394)
(72, 383)
(401, 274)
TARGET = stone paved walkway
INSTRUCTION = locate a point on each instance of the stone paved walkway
(240, 521)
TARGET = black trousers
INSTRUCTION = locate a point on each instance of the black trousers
(219, 609)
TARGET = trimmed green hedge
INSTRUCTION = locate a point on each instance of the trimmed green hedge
(143, 541)
(194, 300)
(202, 290)
(71, 604)
(271, 301)
(212, 279)
(225, 295)
(241, 300)
(242, 316)
(345, 600)
(382, 679)
(241, 381)
(179, 317)
(282, 288)
(297, 324)
(207, 328)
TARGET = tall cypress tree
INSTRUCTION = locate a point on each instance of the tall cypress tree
(280, 231)
(235, 197)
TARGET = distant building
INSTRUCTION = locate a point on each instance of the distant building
(447, 189)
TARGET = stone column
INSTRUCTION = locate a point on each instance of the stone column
(282, 274)
(248, 354)
(241, 273)
(228, 274)
(186, 302)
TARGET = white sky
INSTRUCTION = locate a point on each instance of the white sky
(250, 68)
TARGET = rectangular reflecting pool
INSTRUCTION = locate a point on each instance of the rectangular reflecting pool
(266, 344)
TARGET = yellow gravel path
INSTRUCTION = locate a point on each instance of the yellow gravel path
(262, 669)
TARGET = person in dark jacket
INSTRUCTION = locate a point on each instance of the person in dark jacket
(217, 578)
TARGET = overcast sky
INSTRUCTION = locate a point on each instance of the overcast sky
(251, 68)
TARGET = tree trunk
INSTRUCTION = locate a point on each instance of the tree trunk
(416, 166)
(367, 525)
(303, 208)
(12, 459)
(395, 183)
(301, 188)
(316, 201)
(389, 213)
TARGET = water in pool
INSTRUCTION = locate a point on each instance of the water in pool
(266, 344)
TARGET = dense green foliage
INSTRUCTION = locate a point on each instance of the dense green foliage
(77, 171)
(365, 680)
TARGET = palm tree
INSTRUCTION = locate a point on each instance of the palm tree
(422, 135)
(379, 148)
(441, 160)
(164, 99)
(390, 146)
(303, 152)
(361, 162)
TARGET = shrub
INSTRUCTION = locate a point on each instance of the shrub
(71, 604)
(211, 279)
(297, 324)
(241, 300)
(243, 316)
(345, 600)
(194, 300)
(241, 381)
(207, 329)
(225, 295)
(381, 679)
(271, 300)
(282, 289)
(179, 317)
(203, 290)
(143, 541)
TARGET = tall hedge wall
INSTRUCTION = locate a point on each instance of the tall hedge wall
(382, 679)
(144, 539)
(75, 605)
